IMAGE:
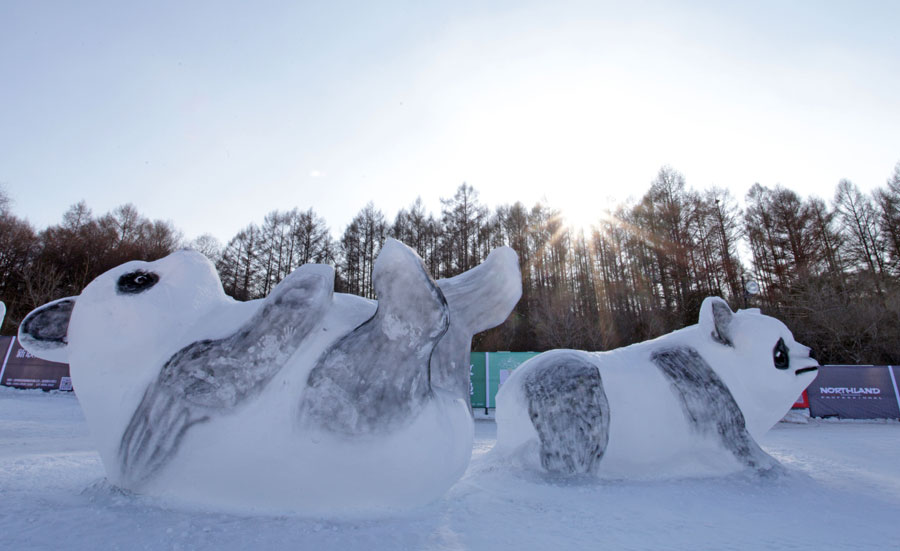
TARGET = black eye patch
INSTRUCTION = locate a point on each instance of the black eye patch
(136, 282)
(780, 355)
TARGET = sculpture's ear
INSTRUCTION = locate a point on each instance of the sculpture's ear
(715, 317)
(44, 330)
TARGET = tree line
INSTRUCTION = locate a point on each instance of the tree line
(829, 269)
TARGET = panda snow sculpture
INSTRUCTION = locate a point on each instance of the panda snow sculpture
(307, 400)
(690, 403)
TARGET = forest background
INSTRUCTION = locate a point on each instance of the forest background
(829, 269)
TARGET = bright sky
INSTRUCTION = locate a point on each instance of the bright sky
(211, 114)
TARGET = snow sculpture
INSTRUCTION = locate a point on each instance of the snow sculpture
(2, 312)
(690, 403)
(307, 400)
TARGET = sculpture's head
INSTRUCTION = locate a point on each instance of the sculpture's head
(765, 369)
(129, 307)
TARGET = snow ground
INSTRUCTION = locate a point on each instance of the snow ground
(841, 491)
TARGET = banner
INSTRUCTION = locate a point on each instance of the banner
(22, 370)
(488, 371)
(802, 402)
(855, 392)
(477, 392)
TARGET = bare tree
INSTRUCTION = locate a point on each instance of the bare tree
(18, 247)
(887, 200)
(208, 245)
(461, 217)
(360, 244)
(238, 267)
(859, 224)
(4, 200)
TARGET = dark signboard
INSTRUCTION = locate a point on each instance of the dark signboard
(855, 392)
(22, 370)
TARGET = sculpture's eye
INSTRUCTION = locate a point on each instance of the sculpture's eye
(136, 282)
(780, 355)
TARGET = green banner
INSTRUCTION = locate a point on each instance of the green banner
(488, 372)
(476, 379)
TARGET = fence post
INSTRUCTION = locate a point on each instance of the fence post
(12, 343)
(487, 382)
(894, 382)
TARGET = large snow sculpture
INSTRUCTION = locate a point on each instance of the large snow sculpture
(306, 400)
(689, 403)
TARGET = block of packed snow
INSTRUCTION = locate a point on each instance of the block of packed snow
(690, 403)
(307, 400)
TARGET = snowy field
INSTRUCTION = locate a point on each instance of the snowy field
(841, 491)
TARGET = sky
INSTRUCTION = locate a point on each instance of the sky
(212, 114)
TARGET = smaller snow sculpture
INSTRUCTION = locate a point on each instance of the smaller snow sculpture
(690, 403)
(307, 400)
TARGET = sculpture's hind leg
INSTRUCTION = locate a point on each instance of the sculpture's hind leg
(570, 412)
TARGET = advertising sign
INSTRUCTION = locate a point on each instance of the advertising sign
(476, 379)
(502, 364)
(488, 371)
(22, 370)
(802, 402)
(854, 392)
